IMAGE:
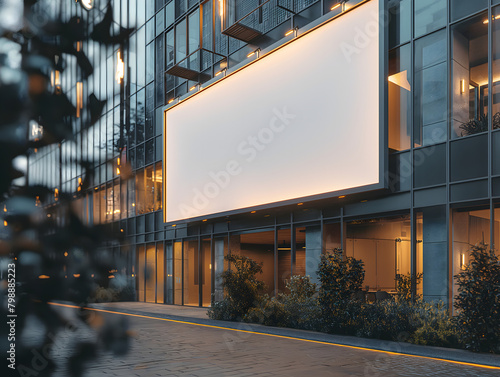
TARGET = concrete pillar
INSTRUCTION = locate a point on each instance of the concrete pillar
(218, 268)
(313, 252)
(435, 254)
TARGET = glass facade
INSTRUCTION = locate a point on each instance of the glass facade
(442, 130)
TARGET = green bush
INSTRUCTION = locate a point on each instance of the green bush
(403, 286)
(340, 277)
(478, 301)
(297, 309)
(241, 289)
(436, 327)
(270, 311)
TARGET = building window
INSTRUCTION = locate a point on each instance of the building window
(399, 98)
(430, 15)
(495, 86)
(463, 8)
(400, 22)
(470, 76)
(431, 90)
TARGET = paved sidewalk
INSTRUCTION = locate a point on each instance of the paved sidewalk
(182, 341)
(199, 315)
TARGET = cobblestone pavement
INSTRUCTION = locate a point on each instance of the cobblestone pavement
(166, 348)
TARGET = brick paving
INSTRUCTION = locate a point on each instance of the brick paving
(165, 348)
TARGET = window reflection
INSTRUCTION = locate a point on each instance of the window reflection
(399, 99)
(430, 90)
(470, 76)
(496, 69)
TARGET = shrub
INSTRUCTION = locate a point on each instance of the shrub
(436, 327)
(478, 301)
(270, 311)
(297, 309)
(340, 277)
(241, 289)
(403, 286)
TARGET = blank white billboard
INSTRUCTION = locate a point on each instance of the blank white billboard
(299, 122)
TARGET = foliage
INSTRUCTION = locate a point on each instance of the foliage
(298, 309)
(436, 326)
(241, 288)
(478, 301)
(43, 234)
(403, 286)
(475, 126)
(340, 277)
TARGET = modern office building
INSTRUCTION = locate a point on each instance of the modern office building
(282, 129)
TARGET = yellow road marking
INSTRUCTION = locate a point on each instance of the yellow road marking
(282, 337)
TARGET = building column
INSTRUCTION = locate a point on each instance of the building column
(435, 254)
(313, 252)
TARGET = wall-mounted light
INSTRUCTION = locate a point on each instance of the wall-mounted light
(5, 223)
(79, 98)
(120, 67)
(289, 32)
(255, 52)
(194, 87)
(221, 9)
(340, 3)
(462, 86)
(87, 4)
(462, 261)
(494, 18)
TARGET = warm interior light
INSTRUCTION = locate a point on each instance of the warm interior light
(79, 188)
(487, 21)
(335, 6)
(133, 204)
(221, 8)
(174, 225)
(401, 79)
(462, 86)
(204, 220)
(120, 67)
(56, 194)
(43, 277)
(341, 196)
(253, 212)
(117, 171)
(76, 275)
(87, 4)
(79, 98)
(300, 204)
(5, 223)
(289, 32)
(78, 46)
(65, 253)
(210, 266)
(4, 208)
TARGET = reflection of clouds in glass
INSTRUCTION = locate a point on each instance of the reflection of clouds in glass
(20, 163)
(11, 52)
(11, 12)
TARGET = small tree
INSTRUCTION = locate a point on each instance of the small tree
(478, 301)
(241, 289)
(340, 277)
